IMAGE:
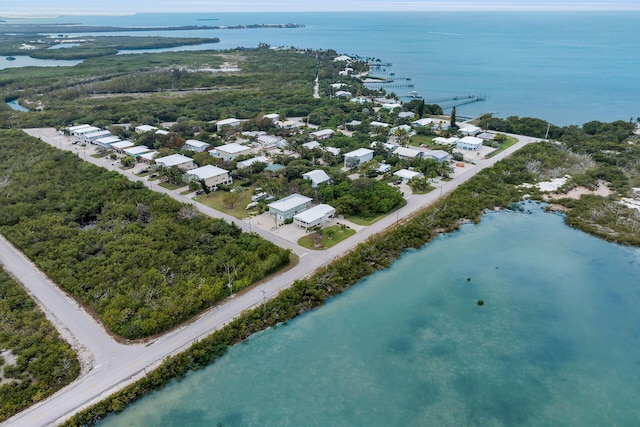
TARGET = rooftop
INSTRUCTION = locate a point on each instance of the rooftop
(232, 148)
(315, 213)
(173, 160)
(208, 171)
(289, 202)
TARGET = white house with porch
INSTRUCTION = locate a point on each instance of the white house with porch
(289, 206)
(315, 216)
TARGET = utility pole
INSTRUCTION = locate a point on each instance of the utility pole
(546, 135)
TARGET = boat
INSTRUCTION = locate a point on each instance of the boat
(414, 94)
(10, 58)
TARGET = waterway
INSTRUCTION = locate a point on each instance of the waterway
(564, 67)
(555, 343)
(27, 61)
(16, 105)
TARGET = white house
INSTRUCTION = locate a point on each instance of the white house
(212, 176)
(333, 150)
(312, 145)
(470, 143)
(322, 134)
(229, 151)
(93, 136)
(83, 130)
(268, 141)
(391, 106)
(145, 128)
(439, 155)
(148, 156)
(274, 117)
(106, 142)
(315, 216)
(136, 151)
(353, 123)
(384, 168)
(122, 145)
(406, 114)
(406, 174)
(289, 206)
(445, 141)
(317, 177)
(162, 132)
(178, 160)
(357, 157)
(486, 136)
(249, 162)
(342, 58)
(406, 128)
(195, 145)
(469, 130)
(232, 122)
(408, 153)
(423, 122)
(376, 124)
(344, 93)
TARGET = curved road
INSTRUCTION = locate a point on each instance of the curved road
(108, 365)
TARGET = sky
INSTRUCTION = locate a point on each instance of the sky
(33, 8)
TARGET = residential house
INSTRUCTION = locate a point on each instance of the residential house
(408, 153)
(333, 150)
(106, 142)
(229, 151)
(212, 176)
(289, 206)
(470, 143)
(136, 151)
(121, 146)
(486, 136)
(439, 155)
(407, 175)
(148, 157)
(249, 162)
(469, 130)
(357, 157)
(195, 145)
(344, 93)
(274, 117)
(406, 114)
(445, 141)
(145, 128)
(232, 122)
(91, 137)
(322, 134)
(178, 160)
(317, 177)
(315, 216)
(384, 168)
(268, 141)
(312, 145)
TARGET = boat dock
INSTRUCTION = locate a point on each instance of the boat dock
(454, 101)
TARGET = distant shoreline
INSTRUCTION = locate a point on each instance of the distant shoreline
(79, 28)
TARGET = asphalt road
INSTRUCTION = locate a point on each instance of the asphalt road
(109, 365)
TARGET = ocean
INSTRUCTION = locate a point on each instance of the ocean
(556, 342)
(564, 67)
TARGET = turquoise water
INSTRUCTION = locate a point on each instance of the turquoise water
(565, 67)
(557, 342)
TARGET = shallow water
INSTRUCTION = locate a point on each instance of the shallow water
(557, 342)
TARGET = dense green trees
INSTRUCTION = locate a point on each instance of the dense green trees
(364, 197)
(142, 261)
(43, 363)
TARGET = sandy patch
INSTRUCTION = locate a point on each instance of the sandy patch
(575, 193)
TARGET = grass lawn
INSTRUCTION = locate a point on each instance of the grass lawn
(508, 143)
(325, 238)
(170, 186)
(416, 140)
(230, 203)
